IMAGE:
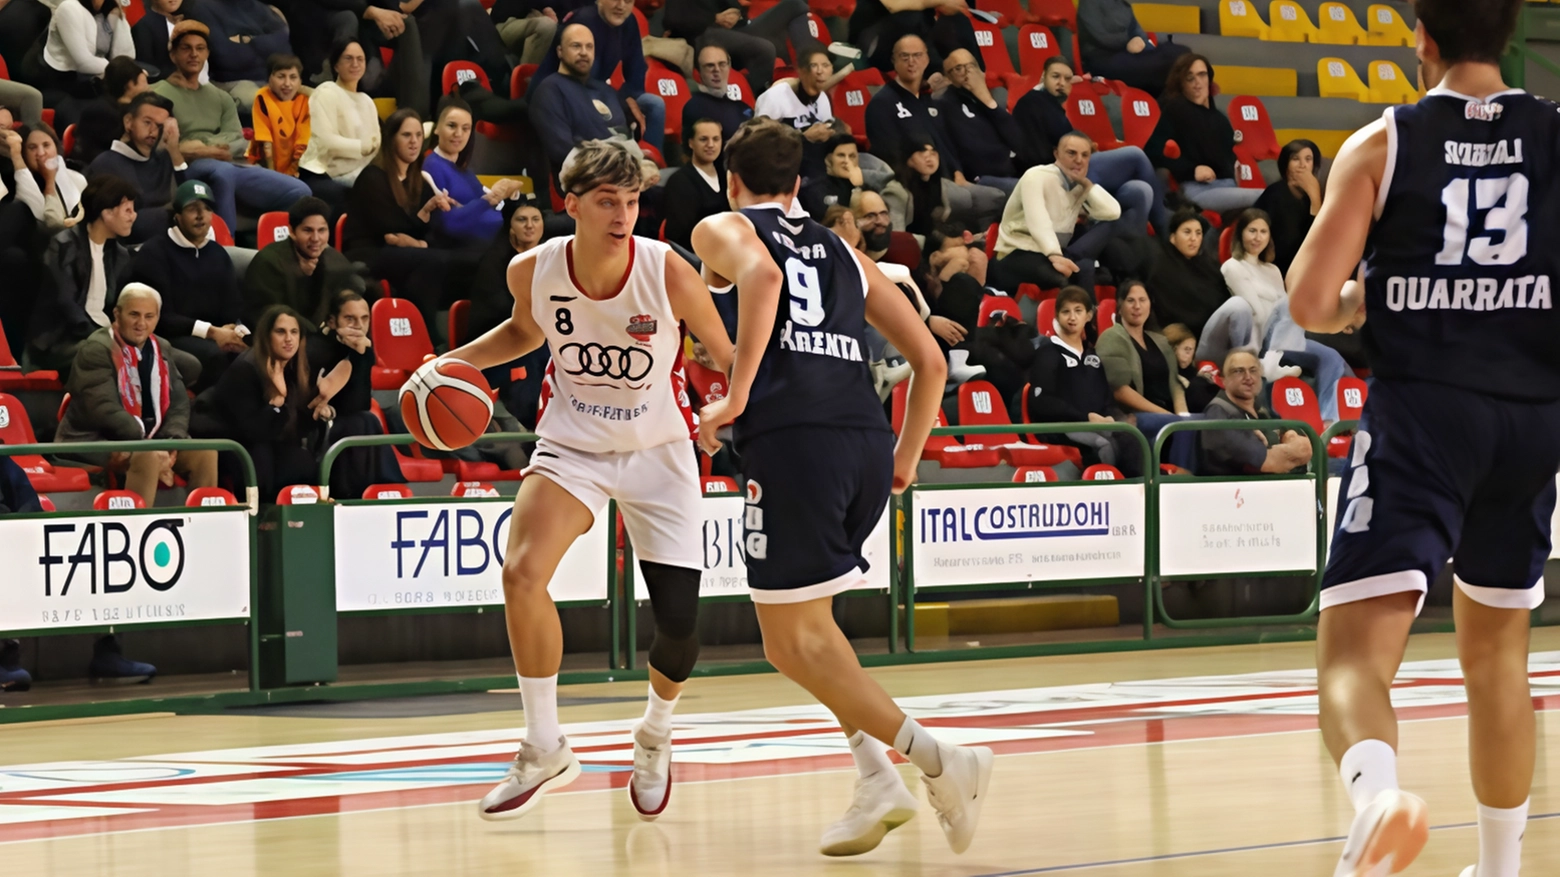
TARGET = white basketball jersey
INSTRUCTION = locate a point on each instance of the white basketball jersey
(616, 380)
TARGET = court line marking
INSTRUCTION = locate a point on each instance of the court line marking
(1061, 869)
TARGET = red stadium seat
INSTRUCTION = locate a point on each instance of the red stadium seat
(46, 504)
(1104, 293)
(1034, 475)
(1294, 400)
(644, 23)
(457, 73)
(45, 477)
(849, 101)
(68, 140)
(1105, 314)
(520, 79)
(117, 501)
(401, 342)
(903, 250)
(413, 468)
(272, 228)
(133, 12)
(653, 154)
(980, 404)
(673, 89)
(992, 305)
(1030, 290)
(1009, 13)
(1226, 244)
(469, 489)
(832, 8)
(992, 233)
(1247, 173)
(1036, 45)
(1210, 370)
(480, 470)
(718, 484)
(1172, 469)
(341, 232)
(1352, 393)
(936, 444)
(1087, 113)
(1249, 116)
(220, 231)
(1054, 13)
(1139, 117)
(387, 491)
(1045, 318)
(210, 496)
(4, 72)
(707, 384)
(1102, 472)
(994, 54)
(460, 319)
(1020, 87)
(13, 378)
(298, 494)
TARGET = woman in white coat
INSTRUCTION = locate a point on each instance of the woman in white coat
(83, 35)
(1256, 287)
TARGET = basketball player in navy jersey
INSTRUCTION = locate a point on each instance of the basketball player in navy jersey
(820, 462)
(1454, 205)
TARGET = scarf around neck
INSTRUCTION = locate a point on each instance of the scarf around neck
(128, 378)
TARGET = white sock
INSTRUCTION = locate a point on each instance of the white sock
(918, 745)
(1368, 769)
(658, 715)
(539, 699)
(870, 755)
(1500, 840)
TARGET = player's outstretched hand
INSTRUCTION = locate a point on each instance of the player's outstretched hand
(711, 418)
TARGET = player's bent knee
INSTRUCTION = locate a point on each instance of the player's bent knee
(674, 598)
(523, 578)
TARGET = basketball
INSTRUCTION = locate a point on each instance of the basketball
(446, 404)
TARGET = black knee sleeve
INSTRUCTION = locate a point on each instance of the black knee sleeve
(674, 598)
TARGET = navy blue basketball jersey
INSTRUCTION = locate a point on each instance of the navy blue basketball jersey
(815, 370)
(1461, 264)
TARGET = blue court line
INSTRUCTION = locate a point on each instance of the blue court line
(1054, 869)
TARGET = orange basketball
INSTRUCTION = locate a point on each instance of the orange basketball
(446, 404)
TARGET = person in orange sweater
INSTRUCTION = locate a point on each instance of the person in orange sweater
(281, 118)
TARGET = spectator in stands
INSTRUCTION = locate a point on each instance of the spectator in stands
(573, 107)
(803, 103)
(20, 216)
(925, 202)
(244, 35)
(343, 129)
(841, 178)
(1255, 285)
(1247, 452)
(876, 26)
(527, 26)
(1196, 383)
(212, 138)
(1067, 384)
(262, 402)
(615, 35)
(201, 309)
(343, 363)
(67, 65)
(1292, 202)
(281, 117)
(752, 45)
(1035, 241)
(151, 34)
(22, 22)
(124, 386)
(300, 272)
(1286, 345)
(319, 27)
(84, 267)
(1205, 167)
(984, 133)
(1188, 285)
(519, 382)
(458, 30)
(698, 189)
(50, 190)
(1041, 116)
(1138, 361)
(873, 218)
(478, 214)
(390, 213)
(148, 156)
(954, 243)
(710, 98)
(102, 121)
(1115, 46)
(901, 117)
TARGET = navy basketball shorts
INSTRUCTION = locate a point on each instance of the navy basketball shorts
(1440, 473)
(814, 495)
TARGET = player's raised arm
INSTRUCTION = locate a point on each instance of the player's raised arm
(516, 336)
(729, 246)
(691, 302)
(1323, 297)
(889, 312)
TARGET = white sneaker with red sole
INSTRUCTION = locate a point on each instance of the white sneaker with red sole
(533, 774)
(650, 786)
(1386, 836)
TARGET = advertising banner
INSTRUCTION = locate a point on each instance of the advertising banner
(1091, 530)
(90, 570)
(1249, 526)
(429, 555)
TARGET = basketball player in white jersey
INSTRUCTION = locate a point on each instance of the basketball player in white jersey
(615, 424)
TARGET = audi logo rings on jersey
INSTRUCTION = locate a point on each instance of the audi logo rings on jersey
(606, 361)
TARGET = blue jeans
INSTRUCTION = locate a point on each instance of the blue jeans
(1117, 167)
(1220, 195)
(1006, 184)
(257, 188)
(655, 118)
(1231, 327)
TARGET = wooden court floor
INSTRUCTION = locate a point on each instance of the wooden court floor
(1200, 762)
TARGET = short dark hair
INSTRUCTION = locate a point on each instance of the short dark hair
(119, 75)
(448, 104)
(699, 53)
(1469, 30)
(341, 300)
(693, 129)
(1080, 135)
(282, 61)
(1294, 148)
(106, 193)
(766, 155)
(1070, 294)
(1052, 62)
(1185, 215)
(837, 141)
(306, 207)
(148, 99)
(804, 57)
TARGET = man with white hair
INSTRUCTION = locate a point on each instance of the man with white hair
(126, 386)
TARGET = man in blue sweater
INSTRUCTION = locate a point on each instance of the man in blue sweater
(981, 129)
(573, 107)
(616, 40)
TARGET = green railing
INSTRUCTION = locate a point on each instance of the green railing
(334, 452)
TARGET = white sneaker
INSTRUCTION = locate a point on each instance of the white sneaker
(958, 793)
(650, 786)
(1386, 836)
(959, 368)
(532, 774)
(1471, 871)
(880, 804)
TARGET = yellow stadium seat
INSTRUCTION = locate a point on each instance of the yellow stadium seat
(1388, 85)
(1328, 141)
(1239, 18)
(1288, 23)
(1258, 81)
(1335, 78)
(1386, 27)
(1168, 17)
(1338, 26)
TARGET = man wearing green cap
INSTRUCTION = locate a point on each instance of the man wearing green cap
(201, 303)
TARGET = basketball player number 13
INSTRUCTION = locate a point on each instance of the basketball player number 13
(1510, 220)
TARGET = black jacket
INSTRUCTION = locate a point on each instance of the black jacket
(1066, 387)
(688, 199)
(897, 119)
(61, 310)
(689, 19)
(372, 213)
(195, 284)
(1204, 135)
(1042, 122)
(987, 137)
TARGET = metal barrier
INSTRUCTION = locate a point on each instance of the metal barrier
(164, 540)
